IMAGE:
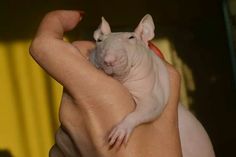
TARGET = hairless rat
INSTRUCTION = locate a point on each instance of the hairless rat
(126, 57)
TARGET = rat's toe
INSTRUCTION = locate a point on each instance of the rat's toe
(114, 138)
(120, 139)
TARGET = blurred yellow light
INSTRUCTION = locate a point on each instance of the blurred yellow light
(25, 115)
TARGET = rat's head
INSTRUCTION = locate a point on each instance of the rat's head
(116, 53)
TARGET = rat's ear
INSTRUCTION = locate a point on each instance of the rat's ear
(103, 29)
(145, 29)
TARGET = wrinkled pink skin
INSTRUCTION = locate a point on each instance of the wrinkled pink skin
(125, 57)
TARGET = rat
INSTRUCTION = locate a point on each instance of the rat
(125, 56)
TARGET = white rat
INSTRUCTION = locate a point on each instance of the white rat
(126, 57)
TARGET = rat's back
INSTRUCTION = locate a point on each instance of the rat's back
(194, 139)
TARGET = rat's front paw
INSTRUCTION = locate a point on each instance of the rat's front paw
(120, 134)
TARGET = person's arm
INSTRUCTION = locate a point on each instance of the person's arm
(59, 58)
(98, 101)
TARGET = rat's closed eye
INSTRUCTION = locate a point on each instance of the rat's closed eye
(131, 37)
(99, 40)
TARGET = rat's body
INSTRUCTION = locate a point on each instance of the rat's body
(127, 58)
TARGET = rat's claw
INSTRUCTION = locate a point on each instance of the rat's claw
(114, 137)
(120, 138)
(112, 134)
(120, 134)
(126, 138)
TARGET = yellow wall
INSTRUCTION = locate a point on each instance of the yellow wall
(28, 112)
(29, 99)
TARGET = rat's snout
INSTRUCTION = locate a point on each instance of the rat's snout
(109, 60)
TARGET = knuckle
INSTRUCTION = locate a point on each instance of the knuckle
(61, 137)
(52, 151)
(58, 136)
(56, 14)
(53, 13)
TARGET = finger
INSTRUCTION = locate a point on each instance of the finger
(84, 47)
(55, 151)
(55, 23)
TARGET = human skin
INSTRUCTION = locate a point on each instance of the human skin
(92, 102)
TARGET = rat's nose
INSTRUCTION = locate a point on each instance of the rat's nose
(109, 60)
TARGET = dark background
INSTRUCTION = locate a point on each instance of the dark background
(195, 27)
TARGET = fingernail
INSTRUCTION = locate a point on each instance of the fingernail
(82, 13)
